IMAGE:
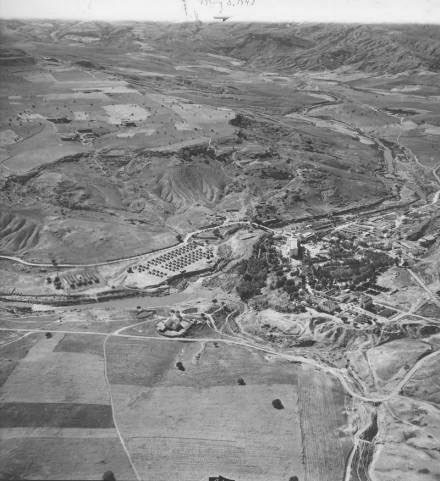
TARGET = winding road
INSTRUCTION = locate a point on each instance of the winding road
(340, 374)
(186, 239)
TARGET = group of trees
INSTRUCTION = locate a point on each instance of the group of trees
(267, 278)
(57, 283)
(253, 274)
(254, 271)
(266, 274)
(354, 270)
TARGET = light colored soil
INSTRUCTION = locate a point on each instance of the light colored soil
(395, 358)
(326, 444)
(188, 433)
(128, 112)
(425, 384)
(410, 444)
(43, 148)
(8, 137)
(199, 422)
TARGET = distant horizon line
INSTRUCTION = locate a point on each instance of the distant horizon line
(272, 22)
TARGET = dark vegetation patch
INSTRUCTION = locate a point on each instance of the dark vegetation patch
(190, 310)
(241, 120)
(55, 415)
(418, 230)
(401, 111)
(277, 404)
(275, 173)
(180, 366)
(429, 330)
(253, 271)
(306, 343)
(88, 64)
(6, 368)
(80, 344)
(370, 433)
(108, 476)
(60, 120)
(219, 478)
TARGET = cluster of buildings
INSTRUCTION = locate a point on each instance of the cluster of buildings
(174, 326)
(334, 260)
(175, 260)
(333, 268)
(85, 136)
(74, 279)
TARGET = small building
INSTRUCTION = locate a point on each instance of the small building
(366, 302)
(292, 247)
(327, 306)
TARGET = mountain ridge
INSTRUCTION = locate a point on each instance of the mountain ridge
(286, 47)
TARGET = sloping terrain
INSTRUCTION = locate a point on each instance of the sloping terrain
(378, 48)
(141, 122)
(185, 185)
(17, 233)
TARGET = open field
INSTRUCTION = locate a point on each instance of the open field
(216, 418)
(55, 457)
(13, 352)
(207, 421)
(56, 421)
(54, 377)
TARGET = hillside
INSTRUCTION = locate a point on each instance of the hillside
(128, 135)
(288, 47)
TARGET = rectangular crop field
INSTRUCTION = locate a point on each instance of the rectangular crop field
(201, 421)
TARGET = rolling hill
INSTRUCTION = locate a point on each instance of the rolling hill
(369, 48)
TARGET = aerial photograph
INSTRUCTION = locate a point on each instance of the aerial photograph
(220, 240)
